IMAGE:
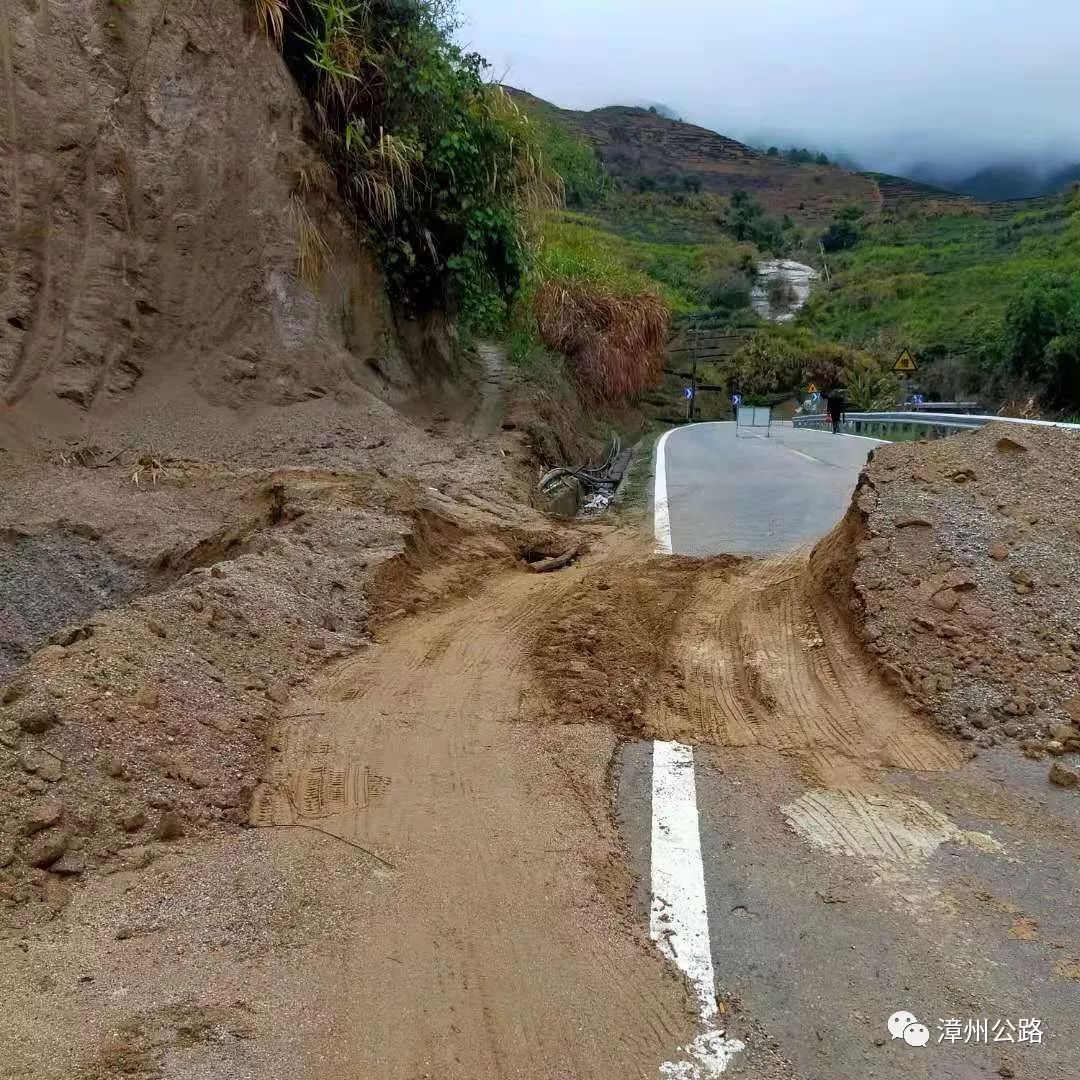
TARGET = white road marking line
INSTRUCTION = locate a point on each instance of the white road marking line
(661, 509)
(679, 920)
(816, 461)
(678, 917)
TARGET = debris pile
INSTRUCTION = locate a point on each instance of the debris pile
(960, 561)
(568, 492)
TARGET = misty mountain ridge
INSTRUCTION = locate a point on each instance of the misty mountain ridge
(1000, 181)
(984, 172)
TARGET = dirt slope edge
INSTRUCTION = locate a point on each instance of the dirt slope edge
(155, 203)
(146, 723)
(958, 568)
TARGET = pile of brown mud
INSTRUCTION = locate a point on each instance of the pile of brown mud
(959, 562)
(606, 656)
(144, 720)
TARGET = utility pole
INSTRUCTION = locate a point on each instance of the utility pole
(693, 374)
(824, 263)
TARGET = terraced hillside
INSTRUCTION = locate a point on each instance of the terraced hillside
(645, 151)
(898, 193)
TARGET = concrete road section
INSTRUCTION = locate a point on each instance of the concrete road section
(743, 494)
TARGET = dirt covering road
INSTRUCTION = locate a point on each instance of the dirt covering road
(454, 903)
(345, 768)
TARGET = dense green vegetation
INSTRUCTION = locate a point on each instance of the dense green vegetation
(440, 166)
(988, 299)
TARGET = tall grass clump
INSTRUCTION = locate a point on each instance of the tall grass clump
(615, 343)
(439, 165)
(609, 320)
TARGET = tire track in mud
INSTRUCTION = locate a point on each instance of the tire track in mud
(499, 865)
(767, 661)
(769, 664)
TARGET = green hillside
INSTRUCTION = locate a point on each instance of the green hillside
(988, 296)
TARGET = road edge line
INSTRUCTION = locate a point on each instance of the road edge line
(678, 916)
(661, 508)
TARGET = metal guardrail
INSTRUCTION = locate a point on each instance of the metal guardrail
(935, 425)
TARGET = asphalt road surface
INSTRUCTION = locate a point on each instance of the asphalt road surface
(741, 492)
(807, 907)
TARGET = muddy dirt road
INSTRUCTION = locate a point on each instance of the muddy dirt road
(648, 816)
(435, 887)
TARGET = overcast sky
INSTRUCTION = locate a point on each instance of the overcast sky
(892, 83)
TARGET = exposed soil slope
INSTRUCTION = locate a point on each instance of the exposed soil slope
(148, 721)
(959, 561)
(434, 887)
(155, 201)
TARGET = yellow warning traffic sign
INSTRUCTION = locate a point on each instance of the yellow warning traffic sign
(906, 362)
(811, 389)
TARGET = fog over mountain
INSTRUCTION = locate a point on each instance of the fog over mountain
(938, 90)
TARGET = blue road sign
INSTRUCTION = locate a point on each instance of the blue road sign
(736, 400)
(815, 397)
(917, 399)
(689, 393)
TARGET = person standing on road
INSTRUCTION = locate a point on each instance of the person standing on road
(837, 409)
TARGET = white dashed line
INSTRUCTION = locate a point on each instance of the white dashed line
(678, 918)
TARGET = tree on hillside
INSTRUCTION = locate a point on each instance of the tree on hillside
(1041, 340)
(747, 220)
(785, 360)
(870, 386)
(845, 231)
(773, 151)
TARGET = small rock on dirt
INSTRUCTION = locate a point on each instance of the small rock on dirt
(37, 719)
(114, 767)
(1063, 776)
(169, 826)
(946, 600)
(278, 693)
(47, 847)
(69, 864)
(999, 551)
(133, 822)
(1008, 445)
(42, 815)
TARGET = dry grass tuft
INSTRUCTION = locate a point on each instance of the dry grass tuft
(312, 252)
(614, 342)
(148, 466)
(271, 16)
(315, 178)
(383, 174)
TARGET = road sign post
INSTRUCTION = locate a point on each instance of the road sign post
(906, 364)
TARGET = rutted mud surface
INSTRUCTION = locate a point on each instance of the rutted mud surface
(769, 663)
(499, 868)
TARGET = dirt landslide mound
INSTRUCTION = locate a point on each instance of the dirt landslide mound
(959, 562)
(147, 721)
(605, 655)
